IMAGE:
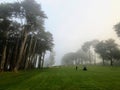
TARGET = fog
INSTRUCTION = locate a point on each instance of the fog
(73, 22)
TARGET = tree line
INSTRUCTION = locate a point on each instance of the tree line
(108, 51)
(23, 39)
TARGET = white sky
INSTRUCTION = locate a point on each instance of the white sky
(73, 22)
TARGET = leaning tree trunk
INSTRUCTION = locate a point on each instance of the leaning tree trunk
(20, 54)
(15, 54)
(29, 52)
(24, 57)
(33, 56)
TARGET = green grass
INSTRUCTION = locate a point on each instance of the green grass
(63, 78)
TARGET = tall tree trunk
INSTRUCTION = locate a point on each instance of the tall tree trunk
(43, 59)
(35, 60)
(7, 62)
(29, 53)
(3, 58)
(33, 52)
(20, 54)
(39, 61)
(15, 54)
(24, 57)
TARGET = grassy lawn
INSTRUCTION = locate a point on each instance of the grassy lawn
(63, 78)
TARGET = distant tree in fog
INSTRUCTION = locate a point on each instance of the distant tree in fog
(108, 50)
(87, 46)
(51, 59)
(68, 59)
(82, 56)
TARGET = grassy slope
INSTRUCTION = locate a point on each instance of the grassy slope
(64, 78)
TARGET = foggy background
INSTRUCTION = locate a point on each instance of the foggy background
(73, 22)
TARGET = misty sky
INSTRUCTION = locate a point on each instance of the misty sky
(73, 22)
